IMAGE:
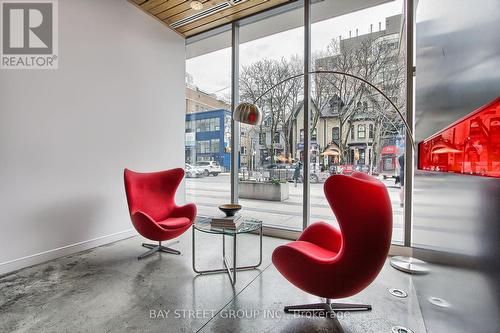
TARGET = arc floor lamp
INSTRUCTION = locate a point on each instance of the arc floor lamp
(249, 113)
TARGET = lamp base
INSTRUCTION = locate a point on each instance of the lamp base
(409, 265)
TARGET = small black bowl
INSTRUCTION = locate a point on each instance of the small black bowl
(230, 209)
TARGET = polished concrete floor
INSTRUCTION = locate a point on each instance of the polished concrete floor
(107, 289)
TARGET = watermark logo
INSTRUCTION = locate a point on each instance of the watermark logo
(29, 38)
(250, 314)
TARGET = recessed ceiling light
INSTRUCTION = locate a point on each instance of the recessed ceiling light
(196, 5)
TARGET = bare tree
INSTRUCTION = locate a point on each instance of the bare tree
(322, 92)
(279, 102)
(296, 94)
(370, 57)
(392, 81)
(367, 57)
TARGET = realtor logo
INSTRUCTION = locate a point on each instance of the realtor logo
(29, 34)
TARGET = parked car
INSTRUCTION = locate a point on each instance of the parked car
(192, 171)
(347, 169)
(335, 169)
(362, 168)
(210, 168)
(285, 172)
(278, 166)
(281, 171)
(316, 176)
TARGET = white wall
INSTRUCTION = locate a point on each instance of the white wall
(116, 101)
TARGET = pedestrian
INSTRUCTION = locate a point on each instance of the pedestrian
(296, 173)
(401, 162)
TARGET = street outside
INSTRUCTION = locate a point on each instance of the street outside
(210, 192)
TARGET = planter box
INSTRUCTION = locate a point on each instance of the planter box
(263, 191)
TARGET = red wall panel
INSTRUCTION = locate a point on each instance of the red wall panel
(470, 145)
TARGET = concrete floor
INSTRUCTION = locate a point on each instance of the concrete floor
(107, 289)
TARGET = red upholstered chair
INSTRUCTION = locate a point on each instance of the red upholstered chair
(332, 263)
(152, 208)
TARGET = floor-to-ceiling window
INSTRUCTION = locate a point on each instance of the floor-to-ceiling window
(270, 177)
(352, 127)
(208, 122)
(357, 129)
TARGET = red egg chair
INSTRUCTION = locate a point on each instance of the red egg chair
(152, 208)
(335, 263)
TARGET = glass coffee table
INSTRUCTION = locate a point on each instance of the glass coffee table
(248, 225)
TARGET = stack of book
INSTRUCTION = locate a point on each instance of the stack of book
(226, 222)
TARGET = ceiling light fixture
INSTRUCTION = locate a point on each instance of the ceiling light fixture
(196, 5)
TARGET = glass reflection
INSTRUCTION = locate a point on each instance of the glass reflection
(471, 145)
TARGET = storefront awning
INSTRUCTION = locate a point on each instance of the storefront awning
(330, 152)
(446, 150)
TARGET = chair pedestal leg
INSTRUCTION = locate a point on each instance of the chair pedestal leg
(153, 248)
(350, 307)
(169, 250)
(325, 309)
(316, 309)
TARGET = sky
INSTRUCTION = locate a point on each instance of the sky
(212, 72)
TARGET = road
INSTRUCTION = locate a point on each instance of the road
(210, 192)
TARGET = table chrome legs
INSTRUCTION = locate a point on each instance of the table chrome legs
(231, 271)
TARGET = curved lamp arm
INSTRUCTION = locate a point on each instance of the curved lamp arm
(247, 111)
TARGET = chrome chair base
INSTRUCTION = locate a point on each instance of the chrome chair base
(153, 248)
(326, 309)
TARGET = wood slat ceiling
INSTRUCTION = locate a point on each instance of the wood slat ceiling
(171, 11)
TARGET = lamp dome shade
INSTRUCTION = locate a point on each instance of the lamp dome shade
(247, 113)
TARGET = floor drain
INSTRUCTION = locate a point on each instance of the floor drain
(401, 329)
(439, 302)
(398, 293)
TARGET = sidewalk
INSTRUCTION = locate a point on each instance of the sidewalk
(209, 192)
